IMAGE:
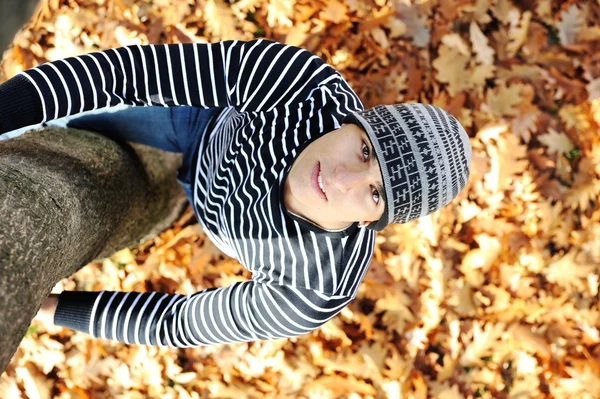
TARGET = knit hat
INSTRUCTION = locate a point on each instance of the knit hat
(424, 155)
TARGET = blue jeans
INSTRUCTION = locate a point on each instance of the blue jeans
(173, 129)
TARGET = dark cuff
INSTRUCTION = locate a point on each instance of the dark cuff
(20, 104)
(74, 309)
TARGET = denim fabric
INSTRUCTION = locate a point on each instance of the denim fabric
(173, 129)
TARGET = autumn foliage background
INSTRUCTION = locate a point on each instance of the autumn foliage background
(495, 296)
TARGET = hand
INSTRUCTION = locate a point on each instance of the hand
(46, 312)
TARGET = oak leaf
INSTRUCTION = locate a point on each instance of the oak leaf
(483, 52)
(569, 25)
(220, 21)
(567, 272)
(395, 305)
(280, 13)
(505, 100)
(517, 32)
(556, 143)
(445, 390)
(339, 386)
(450, 66)
(480, 342)
(334, 11)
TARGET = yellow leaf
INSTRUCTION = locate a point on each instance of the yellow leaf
(527, 339)
(450, 66)
(334, 11)
(35, 383)
(479, 10)
(298, 33)
(583, 383)
(575, 117)
(502, 10)
(483, 52)
(339, 386)
(220, 21)
(453, 40)
(375, 353)
(461, 298)
(505, 101)
(480, 342)
(556, 143)
(583, 192)
(484, 256)
(333, 330)
(568, 273)
(380, 37)
(507, 161)
(280, 12)
(395, 304)
(517, 32)
(397, 27)
(444, 390)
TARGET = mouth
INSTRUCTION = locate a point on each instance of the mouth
(316, 181)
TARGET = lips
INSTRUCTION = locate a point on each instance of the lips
(314, 181)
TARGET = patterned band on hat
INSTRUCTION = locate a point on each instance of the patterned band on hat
(424, 155)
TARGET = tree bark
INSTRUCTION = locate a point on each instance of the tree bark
(68, 197)
(14, 14)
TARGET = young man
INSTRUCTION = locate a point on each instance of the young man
(284, 169)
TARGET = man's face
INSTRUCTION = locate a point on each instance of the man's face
(336, 180)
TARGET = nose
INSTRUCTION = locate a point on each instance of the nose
(347, 177)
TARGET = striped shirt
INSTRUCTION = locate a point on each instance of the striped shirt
(276, 99)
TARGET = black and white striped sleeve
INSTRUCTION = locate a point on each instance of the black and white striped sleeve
(251, 76)
(244, 311)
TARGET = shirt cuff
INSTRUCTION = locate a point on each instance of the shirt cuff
(74, 309)
(20, 104)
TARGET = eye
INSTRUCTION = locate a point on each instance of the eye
(365, 151)
(375, 195)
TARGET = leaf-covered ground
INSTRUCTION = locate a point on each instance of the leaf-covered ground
(495, 296)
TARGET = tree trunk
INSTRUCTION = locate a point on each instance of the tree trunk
(14, 14)
(66, 199)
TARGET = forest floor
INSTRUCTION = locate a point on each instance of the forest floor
(494, 296)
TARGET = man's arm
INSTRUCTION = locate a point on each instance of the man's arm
(245, 311)
(46, 311)
(251, 76)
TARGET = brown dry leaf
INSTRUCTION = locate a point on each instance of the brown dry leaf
(36, 385)
(450, 66)
(555, 142)
(480, 343)
(280, 13)
(219, 389)
(484, 53)
(575, 117)
(334, 11)
(505, 100)
(395, 305)
(583, 383)
(584, 191)
(504, 10)
(416, 24)
(507, 158)
(527, 339)
(220, 21)
(570, 24)
(339, 386)
(568, 273)
(445, 390)
(517, 32)
(333, 330)
(437, 289)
